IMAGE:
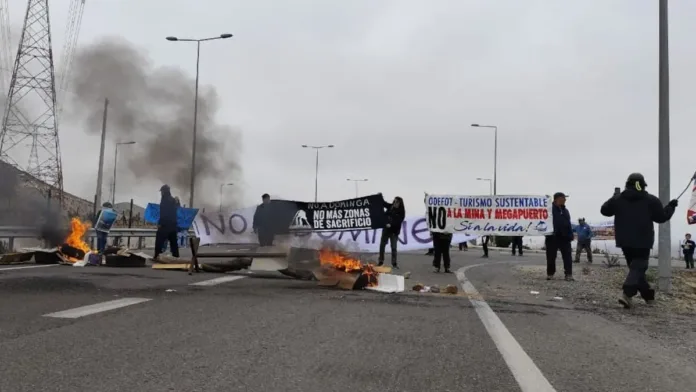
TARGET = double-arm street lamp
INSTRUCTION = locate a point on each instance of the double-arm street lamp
(195, 103)
(356, 181)
(495, 155)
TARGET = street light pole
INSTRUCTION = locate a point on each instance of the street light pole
(490, 184)
(316, 169)
(665, 232)
(356, 181)
(221, 186)
(495, 154)
(195, 105)
(113, 186)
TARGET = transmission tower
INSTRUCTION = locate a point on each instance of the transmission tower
(29, 135)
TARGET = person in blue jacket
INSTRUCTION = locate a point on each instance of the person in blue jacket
(585, 235)
(560, 240)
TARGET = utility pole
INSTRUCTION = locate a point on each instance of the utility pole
(100, 174)
(665, 233)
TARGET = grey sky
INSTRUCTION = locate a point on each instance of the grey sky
(395, 84)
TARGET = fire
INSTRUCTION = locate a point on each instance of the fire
(346, 263)
(78, 229)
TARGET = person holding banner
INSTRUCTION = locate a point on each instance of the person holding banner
(167, 225)
(396, 213)
(263, 221)
(635, 212)
(442, 243)
(560, 240)
(102, 225)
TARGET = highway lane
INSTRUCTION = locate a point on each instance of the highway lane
(275, 333)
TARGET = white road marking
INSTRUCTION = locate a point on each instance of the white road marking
(28, 266)
(96, 308)
(526, 373)
(217, 281)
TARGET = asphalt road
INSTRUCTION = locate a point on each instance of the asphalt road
(271, 333)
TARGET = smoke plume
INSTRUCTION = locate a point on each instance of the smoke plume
(154, 107)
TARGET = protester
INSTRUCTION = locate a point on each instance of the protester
(263, 221)
(484, 242)
(585, 235)
(463, 246)
(442, 243)
(167, 225)
(688, 248)
(396, 213)
(516, 245)
(635, 211)
(102, 235)
(560, 240)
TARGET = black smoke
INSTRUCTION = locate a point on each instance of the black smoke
(154, 107)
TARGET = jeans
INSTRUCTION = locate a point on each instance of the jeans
(636, 282)
(388, 236)
(553, 246)
(583, 246)
(442, 251)
(101, 241)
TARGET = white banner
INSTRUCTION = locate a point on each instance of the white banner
(490, 215)
(236, 227)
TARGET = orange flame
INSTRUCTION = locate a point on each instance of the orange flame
(328, 257)
(343, 262)
(78, 229)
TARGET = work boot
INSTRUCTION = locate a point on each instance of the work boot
(569, 278)
(436, 269)
(549, 277)
(395, 266)
(380, 263)
(626, 301)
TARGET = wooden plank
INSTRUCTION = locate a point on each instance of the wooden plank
(178, 267)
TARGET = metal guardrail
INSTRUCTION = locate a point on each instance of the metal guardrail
(12, 232)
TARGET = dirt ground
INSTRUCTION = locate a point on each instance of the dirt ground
(672, 319)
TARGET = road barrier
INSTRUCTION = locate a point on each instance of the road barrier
(11, 232)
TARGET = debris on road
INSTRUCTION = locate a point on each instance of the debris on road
(451, 289)
(407, 275)
(534, 292)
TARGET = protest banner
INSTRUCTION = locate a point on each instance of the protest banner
(236, 227)
(512, 215)
(361, 213)
(184, 216)
(105, 220)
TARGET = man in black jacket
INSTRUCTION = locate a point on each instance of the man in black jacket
(167, 226)
(635, 211)
(263, 221)
(560, 239)
(396, 213)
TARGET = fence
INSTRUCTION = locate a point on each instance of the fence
(10, 233)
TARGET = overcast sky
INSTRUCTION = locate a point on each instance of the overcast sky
(395, 85)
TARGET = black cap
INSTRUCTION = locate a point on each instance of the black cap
(636, 177)
(164, 187)
(559, 194)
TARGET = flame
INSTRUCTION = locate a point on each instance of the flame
(78, 229)
(344, 262)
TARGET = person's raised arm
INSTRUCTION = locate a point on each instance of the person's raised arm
(659, 213)
(608, 208)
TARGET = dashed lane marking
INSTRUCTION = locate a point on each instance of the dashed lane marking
(525, 371)
(28, 267)
(96, 308)
(217, 281)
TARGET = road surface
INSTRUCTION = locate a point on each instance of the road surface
(103, 329)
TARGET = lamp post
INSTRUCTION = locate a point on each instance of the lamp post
(356, 181)
(195, 103)
(495, 155)
(222, 186)
(664, 245)
(490, 183)
(113, 186)
(316, 171)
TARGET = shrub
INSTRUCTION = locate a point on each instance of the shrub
(611, 260)
(651, 275)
